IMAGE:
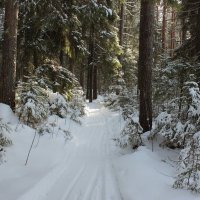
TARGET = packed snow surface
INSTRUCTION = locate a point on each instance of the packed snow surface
(88, 167)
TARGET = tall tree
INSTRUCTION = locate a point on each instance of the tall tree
(121, 28)
(8, 69)
(91, 63)
(145, 64)
(103, 45)
(172, 33)
(164, 24)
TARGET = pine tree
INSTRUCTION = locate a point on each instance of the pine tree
(8, 68)
(145, 64)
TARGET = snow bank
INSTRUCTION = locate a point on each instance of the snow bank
(143, 176)
(90, 165)
(7, 114)
(48, 150)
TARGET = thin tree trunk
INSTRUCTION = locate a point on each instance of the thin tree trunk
(88, 83)
(95, 82)
(82, 78)
(164, 26)
(156, 35)
(172, 34)
(145, 64)
(91, 82)
(197, 34)
(183, 31)
(157, 13)
(91, 64)
(8, 70)
(71, 65)
(99, 81)
(121, 28)
(27, 62)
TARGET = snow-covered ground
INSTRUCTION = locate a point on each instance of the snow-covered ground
(88, 167)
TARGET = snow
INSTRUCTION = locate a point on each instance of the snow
(143, 175)
(163, 118)
(88, 167)
(6, 114)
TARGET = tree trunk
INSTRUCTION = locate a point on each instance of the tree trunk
(8, 70)
(197, 34)
(91, 65)
(121, 28)
(172, 34)
(95, 82)
(36, 60)
(91, 82)
(82, 78)
(145, 64)
(88, 83)
(183, 31)
(164, 24)
(71, 65)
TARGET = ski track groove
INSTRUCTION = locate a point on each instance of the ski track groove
(87, 172)
(73, 183)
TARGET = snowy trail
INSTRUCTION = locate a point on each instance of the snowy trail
(88, 167)
(86, 173)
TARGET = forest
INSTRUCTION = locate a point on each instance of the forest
(96, 95)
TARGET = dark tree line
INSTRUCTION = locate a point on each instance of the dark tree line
(80, 35)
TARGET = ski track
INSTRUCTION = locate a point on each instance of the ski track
(87, 171)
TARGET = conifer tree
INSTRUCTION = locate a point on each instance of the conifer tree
(8, 68)
(145, 64)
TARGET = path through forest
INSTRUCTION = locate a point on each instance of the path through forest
(88, 167)
(87, 172)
